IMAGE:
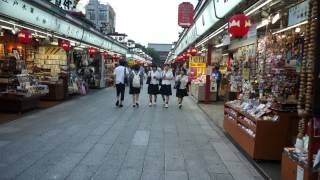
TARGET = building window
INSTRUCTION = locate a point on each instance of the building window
(91, 15)
(103, 15)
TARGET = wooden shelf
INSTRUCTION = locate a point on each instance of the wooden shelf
(270, 137)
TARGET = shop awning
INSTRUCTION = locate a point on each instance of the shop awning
(42, 15)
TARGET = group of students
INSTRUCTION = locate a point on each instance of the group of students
(158, 81)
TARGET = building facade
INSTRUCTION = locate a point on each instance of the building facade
(102, 15)
(162, 49)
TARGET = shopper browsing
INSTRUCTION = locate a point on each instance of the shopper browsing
(181, 86)
(136, 81)
(153, 87)
(121, 74)
(165, 89)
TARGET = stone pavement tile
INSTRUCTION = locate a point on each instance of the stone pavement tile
(135, 157)
(152, 175)
(110, 172)
(96, 155)
(237, 169)
(3, 143)
(60, 170)
(174, 162)
(86, 145)
(152, 163)
(129, 174)
(196, 170)
(221, 176)
(141, 138)
(176, 175)
(14, 169)
(224, 151)
(82, 172)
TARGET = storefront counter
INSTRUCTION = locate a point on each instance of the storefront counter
(18, 104)
(197, 90)
(56, 91)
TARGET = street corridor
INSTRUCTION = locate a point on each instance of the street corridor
(89, 138)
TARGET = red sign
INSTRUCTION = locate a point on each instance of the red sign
(64, 44)
(239, 25)
(185, 16)
(25, 36)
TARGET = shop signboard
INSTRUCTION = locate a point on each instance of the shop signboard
(30, 14)
(205, 20)
(185, 15)
(298, 13)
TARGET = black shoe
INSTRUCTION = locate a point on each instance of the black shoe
(137, 104)
(134, 105)
(117, 103)
(121, 105)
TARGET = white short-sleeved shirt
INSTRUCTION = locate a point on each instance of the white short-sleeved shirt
(184, 81)
(119, 73)
(167, 74)
(152, 75)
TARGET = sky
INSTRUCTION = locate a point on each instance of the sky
(146, 21)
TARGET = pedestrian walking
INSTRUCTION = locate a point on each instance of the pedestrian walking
(165, 89)
(136, 81)
(121, 77)
(153, 85)
(217, 76)
(181, 86)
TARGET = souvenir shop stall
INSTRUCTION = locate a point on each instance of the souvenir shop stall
(264, 118)
(110, 63)
(197, 75)
(302, 161)
(19, 90)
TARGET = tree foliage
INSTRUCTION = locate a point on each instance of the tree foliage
(151, 52)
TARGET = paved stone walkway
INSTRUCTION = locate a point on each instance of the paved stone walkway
(88, 138)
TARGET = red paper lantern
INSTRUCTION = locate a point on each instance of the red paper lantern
(115, 57)
(64, 44)
(180, 58)
(239, 25)
(185, 56)
(24, 36)
(185, 14)
(92, 51)
(193, 51)
(105, 54)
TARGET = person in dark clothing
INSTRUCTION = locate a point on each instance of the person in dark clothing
(217, 76)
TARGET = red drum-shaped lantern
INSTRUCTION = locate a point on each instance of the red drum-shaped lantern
(180, 58)
(193, 51)
(115, 57)
(92, 51)
(64, 44)
(25, 36)
(185, 56)
(239, 25)
(105, 54)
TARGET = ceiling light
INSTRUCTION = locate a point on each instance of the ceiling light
(263, 23)
(276, 18)
(290, 27)
(257, 8)
(298, 30)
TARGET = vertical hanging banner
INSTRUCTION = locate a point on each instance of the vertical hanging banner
(185, 15)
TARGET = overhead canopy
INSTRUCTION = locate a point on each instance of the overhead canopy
(45, 17)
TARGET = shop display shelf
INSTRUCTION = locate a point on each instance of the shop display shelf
(270, 136)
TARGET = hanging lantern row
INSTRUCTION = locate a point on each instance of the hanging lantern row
(239, 25)
(64, 44)
(25, 36)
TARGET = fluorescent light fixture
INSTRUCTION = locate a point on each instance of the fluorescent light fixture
(290, 27)
(263, 23)
(54, 43)
(275, 18)
(219, 45)
(257, 8)
(212, 35)
(297, 30)
(6, 27)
